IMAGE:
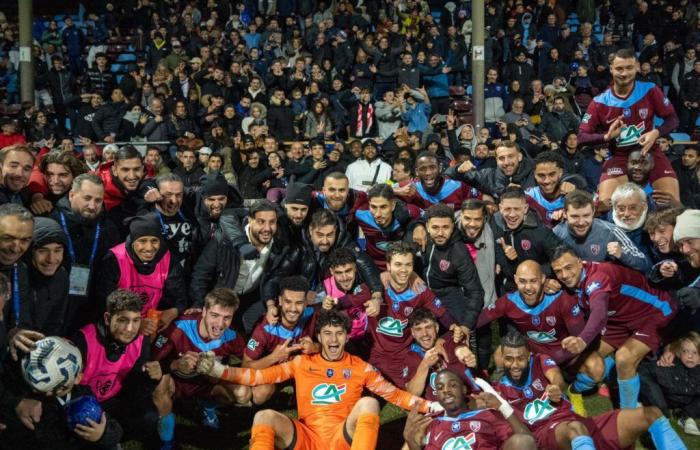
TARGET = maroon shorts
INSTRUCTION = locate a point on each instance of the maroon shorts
(191, 388)
(646, 330)
(617, 167)
(603, 430)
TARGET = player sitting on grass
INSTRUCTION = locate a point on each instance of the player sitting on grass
(329, 386)
(534, 386)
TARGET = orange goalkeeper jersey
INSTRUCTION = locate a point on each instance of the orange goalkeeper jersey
(326, 390)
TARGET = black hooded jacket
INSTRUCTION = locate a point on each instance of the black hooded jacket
(452, 276)
(48, 306)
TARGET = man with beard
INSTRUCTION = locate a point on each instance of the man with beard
(89, 236)
(336, 196)
(178, 348)
(16, 228)
(639, 168)
(594, 239)
(177, 230)
(118, 368)
(686, 235)
(124, 192)
(296, 205)
(620, 305)
(428, 355)
(52, 180)
(212, 208)
(328, 386)
(511, 168)
(546, 320)
(432, 187)
(484, 422)
(629, 212)
(368, 171)
(448, 268)
(623, 116)
(324, 234)
(521, 236)
(276, 341)
(547, 198)
(253, 279)
(534, 386)
(381, 221)
(16, 165)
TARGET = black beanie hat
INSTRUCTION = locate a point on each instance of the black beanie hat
(298, 194)
(212, 184)
(144, 225)
(47, 231)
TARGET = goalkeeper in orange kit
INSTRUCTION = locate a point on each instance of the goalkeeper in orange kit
(332, 412)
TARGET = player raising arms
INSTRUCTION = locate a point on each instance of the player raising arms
(623, 115)
(328, 385)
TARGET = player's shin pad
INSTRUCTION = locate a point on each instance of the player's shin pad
(664, 436)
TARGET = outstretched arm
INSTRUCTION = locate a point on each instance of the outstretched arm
(208, 365)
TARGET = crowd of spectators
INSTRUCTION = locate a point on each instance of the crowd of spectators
(206, 154)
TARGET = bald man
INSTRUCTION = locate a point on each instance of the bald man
(545, 319)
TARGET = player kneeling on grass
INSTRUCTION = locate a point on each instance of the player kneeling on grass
(179, 346)
(533, 385)
(484, 422)
(65, 414)
(329, 386)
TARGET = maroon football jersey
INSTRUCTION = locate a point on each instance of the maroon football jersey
(481, 429)
(530, 400)
(389, 334)
(624, 292)
(637, 110)
(374, 239)
(545, 325)
(267, 336)
(452, 193)
(415, 355)
(183, 336)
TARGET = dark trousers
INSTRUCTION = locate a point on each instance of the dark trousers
(249, 312)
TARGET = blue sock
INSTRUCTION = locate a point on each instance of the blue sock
(629, 392)
(582, 443)
(583, 383)
(664, 437)
(609, 366)
(166, 427)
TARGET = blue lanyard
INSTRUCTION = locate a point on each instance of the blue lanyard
(15, 293)
(165, 229)
(69, 241)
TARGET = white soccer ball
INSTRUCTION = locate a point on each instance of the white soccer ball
(52, 365)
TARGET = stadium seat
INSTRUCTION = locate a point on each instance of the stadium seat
(126, 58)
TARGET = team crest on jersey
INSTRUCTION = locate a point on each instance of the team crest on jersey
(627, 112)
(460, 443)
(408, 310)
(538, 409)
(456, 426)
(643, 113)
(537, 384)
(576, 310)
(347, 373)
(542, 337)
(444, 264)
(551, 320)
(329, 373)
(395, 306)
(252, 344)
(591, 288)
(535, 320)
(528, 392)
(327, 394)
(392, 327)
(595, 249)
(525, 244)
(630, 134)
(475, 426)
